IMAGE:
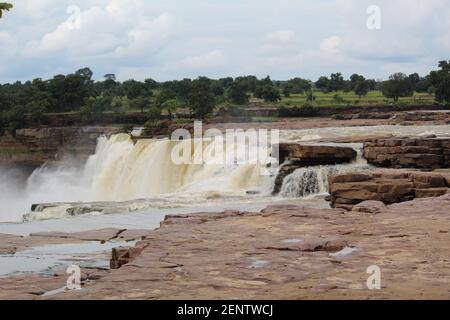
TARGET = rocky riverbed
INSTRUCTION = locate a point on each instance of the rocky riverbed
(284, 252)
(394, 218)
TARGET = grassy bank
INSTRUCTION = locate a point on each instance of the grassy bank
(341, 98)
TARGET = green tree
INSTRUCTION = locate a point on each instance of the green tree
(398, 85)
(120, 105)
(68, 92)
(362, 88)
(359, 85)
(93, 109)
(414, 78)
(154, 113)
(140, 103)
(423, 85)
(109, 86)
(2, 123)
(133, 89)
(163, 96)
(268, 92)
(287, 89)
(237, 93)
(170, 106)
(440, 81)
(299, 85)
(5, 6)
(323, 83)
(15, 118)
(201, 99)
(336, 82)
(150, 84)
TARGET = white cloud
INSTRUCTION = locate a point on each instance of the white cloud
(331, 44)
(214, 58)
(34, 8)
(167, 39)
(280, 37)
(114, 30)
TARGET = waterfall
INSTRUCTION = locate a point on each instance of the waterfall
(141, 174)
(121, 170)
(309, 181)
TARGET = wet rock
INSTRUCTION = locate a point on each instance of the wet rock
(124, 255)
(37, 146)
(432, 192)
(10, 244)
(312, 155)
(385, 185)
(373, 207)
(246, 256)
(97, 235)
(422, 153)
(293, 156)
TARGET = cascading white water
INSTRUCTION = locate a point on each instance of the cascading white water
(309, 181)
(123, 170)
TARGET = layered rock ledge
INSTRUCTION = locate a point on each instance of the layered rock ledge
(34, 147)
(293, 156)
(421, 153)
(386, 185)
(10, 244)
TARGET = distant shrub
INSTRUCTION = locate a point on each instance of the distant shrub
(310, 97)
(306, 110)
(338, 99)
(127, 129)
(152, 124)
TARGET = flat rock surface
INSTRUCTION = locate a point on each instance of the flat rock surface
(285, 252)
(10, 244)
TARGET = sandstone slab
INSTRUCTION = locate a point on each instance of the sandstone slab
(385, 185)
(420, 153)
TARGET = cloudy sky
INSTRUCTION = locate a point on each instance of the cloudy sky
(172, 39)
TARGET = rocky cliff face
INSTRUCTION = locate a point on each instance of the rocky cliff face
(34, 147)
(421, 153)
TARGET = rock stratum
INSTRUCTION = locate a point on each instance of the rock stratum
(387, 186)
(34, 147)
(293, 156)
(284, 252)
(420, 153)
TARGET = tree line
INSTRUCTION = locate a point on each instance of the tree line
(78, 92)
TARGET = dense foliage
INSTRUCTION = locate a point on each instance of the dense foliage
(78, 92)
(441, 82)
(398, 85)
